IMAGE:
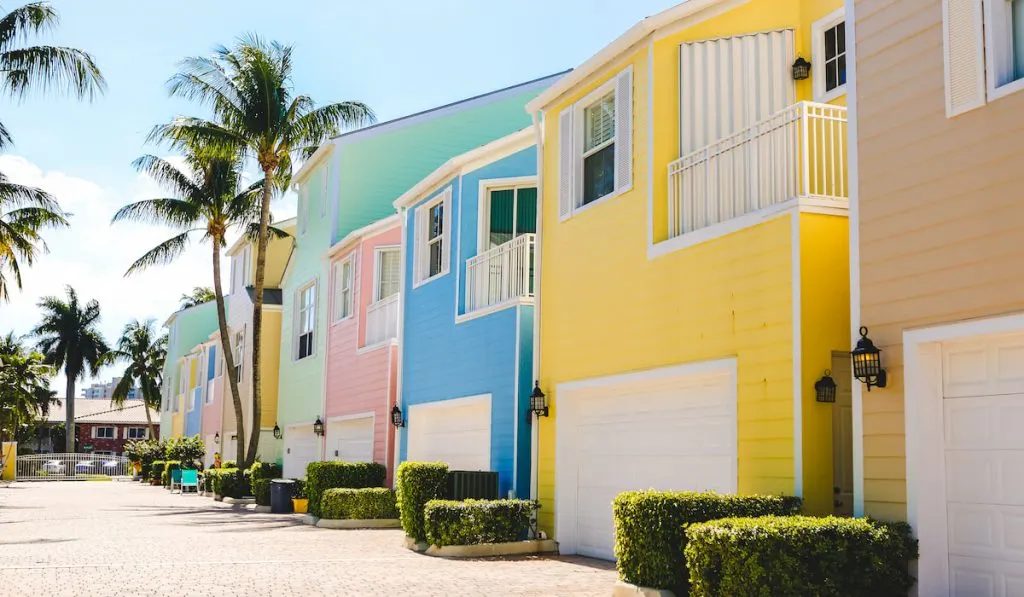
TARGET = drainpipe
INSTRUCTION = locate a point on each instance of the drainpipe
(402, 295)
(535, 428)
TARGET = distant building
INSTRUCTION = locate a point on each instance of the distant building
(102, 428)
(105, 391)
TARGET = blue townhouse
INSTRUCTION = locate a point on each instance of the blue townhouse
(469, 237)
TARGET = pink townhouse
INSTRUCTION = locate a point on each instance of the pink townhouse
(362, 344)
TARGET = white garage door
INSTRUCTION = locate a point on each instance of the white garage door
(300, 448)
(983, 416)
(351, 440)
(668, 429)
(457, 432)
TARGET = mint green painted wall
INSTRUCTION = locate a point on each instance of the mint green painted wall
(189, 328)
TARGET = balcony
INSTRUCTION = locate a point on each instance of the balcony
(798, 153)
(501, 274)
(382, 320)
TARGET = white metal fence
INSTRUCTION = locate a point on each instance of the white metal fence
(797, 152)
(382, 320)
(500, 274)
(71, 467)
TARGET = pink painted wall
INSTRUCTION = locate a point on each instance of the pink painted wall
(360, 383)
(212, 411)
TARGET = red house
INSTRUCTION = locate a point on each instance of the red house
(103, 429)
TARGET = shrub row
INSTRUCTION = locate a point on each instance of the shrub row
(229, 482)
(260, 474)
(359, 504)
(650, 530)
(157, 469)
(321, 476)
(170, 465)
(419, 483)
(472, 522)
(799, 555)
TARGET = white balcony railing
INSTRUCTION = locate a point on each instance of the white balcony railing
(382, 320)
(500, 274)
(799, 152)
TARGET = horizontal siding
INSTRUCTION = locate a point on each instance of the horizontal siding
(939, 213)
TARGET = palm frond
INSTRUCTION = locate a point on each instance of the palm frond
(175, 213)
(21, 23)
(162, 254)
(17, 195)
(166, 175)
(48, 67)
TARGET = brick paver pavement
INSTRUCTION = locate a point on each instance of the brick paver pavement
(107, 539)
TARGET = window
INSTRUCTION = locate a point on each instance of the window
(136, 433)
(1004, 32)
(104, 432)
(306, 314)
(508, 212)
(343, 288)
(432, 242)
(239, 354)
(983, 51)
(596, 145)
(828, 48)
(387, 273)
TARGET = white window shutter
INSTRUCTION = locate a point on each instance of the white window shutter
(964, 45)
(624, 130)
(94, 433)
(419, 238)
(566, 162)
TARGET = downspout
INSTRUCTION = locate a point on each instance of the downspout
(535, 428)
(403, 291)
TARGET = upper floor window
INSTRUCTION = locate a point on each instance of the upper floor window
(387, 271)
(596, 147)
(829, 56)
(432, 239)
(507, 213)
(983, 51)
(239, 354)
(305, 309)
(343, 276)
(136, 433)
(104, 432)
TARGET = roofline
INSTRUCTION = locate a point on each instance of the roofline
(631, 37)
(175, 315)
(495, 150)
(377, 227)
(238, 242)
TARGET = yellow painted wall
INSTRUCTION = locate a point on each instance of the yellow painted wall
(271, 359)
(606, 308)
(10, 457)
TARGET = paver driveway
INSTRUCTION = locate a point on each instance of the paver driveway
(85, 539)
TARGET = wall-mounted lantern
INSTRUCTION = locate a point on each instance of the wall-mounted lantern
(825, 388)
(538, 403)
(318, 427)
(278, 434)
(801, 69)
(867, 362)
(396, 417)
(216, 438)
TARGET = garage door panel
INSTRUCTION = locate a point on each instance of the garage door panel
(352, 439)
(984, 367)
(990, 423)
(300, 449)
(458, 433)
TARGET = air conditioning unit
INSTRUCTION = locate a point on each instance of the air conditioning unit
(463, 485)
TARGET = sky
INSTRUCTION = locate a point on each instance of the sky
(398, 56)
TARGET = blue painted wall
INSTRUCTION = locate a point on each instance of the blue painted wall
(491, 354)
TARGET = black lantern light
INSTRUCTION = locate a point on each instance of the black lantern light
(538, 403)
(801, 69)
(318, 427)
(277, 432)
(867, 362)
(396, 417)
(216, 438)
(825, 388)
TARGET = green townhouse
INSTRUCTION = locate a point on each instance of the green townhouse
(350, 182)
(185, 329)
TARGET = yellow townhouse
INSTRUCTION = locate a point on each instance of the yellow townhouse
(694, 265)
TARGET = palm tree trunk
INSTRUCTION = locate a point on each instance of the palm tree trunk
(69, 415)
(149, 419)
(257, 316)
(225, 343)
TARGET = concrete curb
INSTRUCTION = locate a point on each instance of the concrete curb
(355, 523)
(624, 589)
(241, 501)
(411, 543)
(515, 548)
(310, 520)
(257, 508)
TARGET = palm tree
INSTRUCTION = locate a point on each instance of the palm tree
(251, 92)
(198, 296)
(209, 199)
(25, 394)
(145, 354)
(25, 211)
(69, 338)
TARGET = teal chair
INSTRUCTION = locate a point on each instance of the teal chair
(189, 478)
(176, 479)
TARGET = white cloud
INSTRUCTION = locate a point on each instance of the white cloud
(92, 256)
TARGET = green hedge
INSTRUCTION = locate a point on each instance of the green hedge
(156, 470)
(418, 483)
(321, 476)
(472, 522)
(800, 555)
(230, 482)
(171, 465)
(260, 474)
(145, 470)
(359, 504)
(229, 464)
(650, 530)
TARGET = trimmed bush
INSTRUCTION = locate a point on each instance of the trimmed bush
(260, 474)
(229, 464)
(156, 470)
(359, 504)
(299, 489)
(800, 555)
(472, 522)
(650, 530)
(165, 477)
(230, 482)
(321, 476)
(418, 483)
(145, 470)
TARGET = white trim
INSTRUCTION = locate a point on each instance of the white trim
(420, 214)
(373, 229)
(818, 76)
(650, 142)
(312, 163)
(350, 417)
(695, 368)
(951, 110)
(515, 411)
(996, 46)
(337, 269)
(296, 425)
(399, 433)
(377, 251)
(373, 347)
(535, 428)
(455, 402)
(798, 413)
(485, 187)
(747, 220)
(926, 483)
(478, 313)
(297, 315)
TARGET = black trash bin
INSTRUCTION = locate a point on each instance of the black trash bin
(281, 491)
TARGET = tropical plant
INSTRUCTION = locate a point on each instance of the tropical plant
(69, 338)
(189, 451)
(198, 296)
(209, 199)
(145, 354)
(256, 110)
(24, 211)
(25, 394)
